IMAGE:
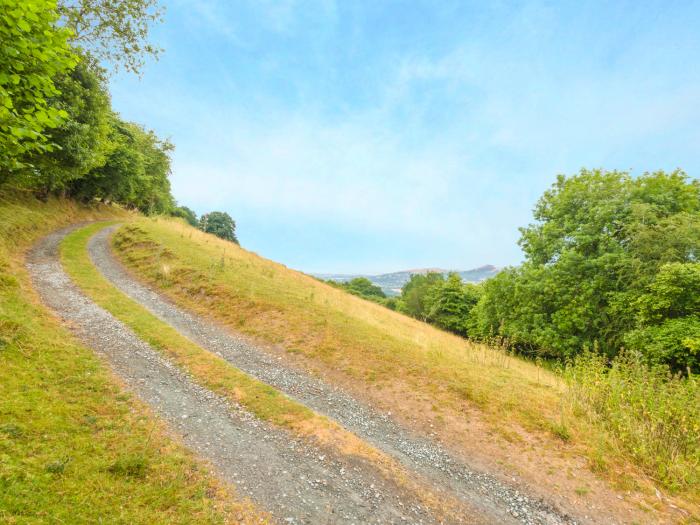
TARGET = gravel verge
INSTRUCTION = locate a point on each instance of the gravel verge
(297, 482)
(505, 503)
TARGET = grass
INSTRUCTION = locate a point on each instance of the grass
(219, 376)
(74, 447)
(386, 355)
(268, 301)
(653, 416)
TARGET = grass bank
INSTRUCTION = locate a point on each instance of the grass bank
(217, 375)
(439, 382)
(74, 447)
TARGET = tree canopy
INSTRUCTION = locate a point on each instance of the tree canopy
(113, 31)
(33, 52)
(220, 224)
(58, 132)
(606, 256)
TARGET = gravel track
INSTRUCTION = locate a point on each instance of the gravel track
(297, 482)
(479, 490)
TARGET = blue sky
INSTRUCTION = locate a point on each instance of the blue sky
(383, 135)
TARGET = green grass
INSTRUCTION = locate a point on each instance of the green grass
(74, 447)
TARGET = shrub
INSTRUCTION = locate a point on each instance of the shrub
(651, 415)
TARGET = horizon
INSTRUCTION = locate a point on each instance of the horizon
(409, 270)
(364, 138)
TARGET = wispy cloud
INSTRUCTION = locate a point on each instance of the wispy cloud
(438, 123)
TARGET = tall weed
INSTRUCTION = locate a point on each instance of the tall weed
(651, 415)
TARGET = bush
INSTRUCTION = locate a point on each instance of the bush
(675, 341)
(184, 212)
(363, 287)
(647, 412)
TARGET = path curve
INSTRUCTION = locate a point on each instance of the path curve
(295, 481)
(479, 490)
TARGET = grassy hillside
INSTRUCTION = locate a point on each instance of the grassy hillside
(217, 375)
(74, 447)
(475, 398)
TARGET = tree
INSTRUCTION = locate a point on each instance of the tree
(668, 317)
(220, 224)
(449, 302)
(364, 288)
(82, 139)
(414, 293)
(33, 51)
(185, 213)
(599, 243)
(116, 31)
(135, 173)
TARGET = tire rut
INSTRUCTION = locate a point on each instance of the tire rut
(479, 490)
(296, 481)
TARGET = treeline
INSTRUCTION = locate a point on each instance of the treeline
(363, 287)
(612, 262)
(58, 131)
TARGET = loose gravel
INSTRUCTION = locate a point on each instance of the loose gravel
(296, 481)
(502, 502)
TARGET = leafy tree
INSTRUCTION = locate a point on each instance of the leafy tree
(364, 288)
(83, 137)
(116, 31)
(449, 302)
(185, 213)
(220, 224)
(597, 247)
(668, 317)
(414, 293)
(135, 173)
(33, 51)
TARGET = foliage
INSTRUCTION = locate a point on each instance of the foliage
(414, 293)
(83, 137)
(363, 287)
(449, 302)
(58, 133)
(113, 31)
(595, 268)
(135, 173)
(443, 301)
(650, 414)
(220, 224)
(185, 213)
(33, 51)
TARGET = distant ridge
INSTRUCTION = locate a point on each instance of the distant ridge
(392, 282)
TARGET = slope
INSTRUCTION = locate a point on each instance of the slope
(498, 412)
(74, 446)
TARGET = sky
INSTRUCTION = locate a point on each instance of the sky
(375, 136)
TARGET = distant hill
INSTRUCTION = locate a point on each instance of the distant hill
(391, 283)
